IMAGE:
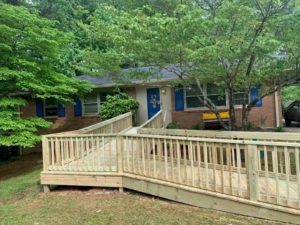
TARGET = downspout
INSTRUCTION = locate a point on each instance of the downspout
(277, 116)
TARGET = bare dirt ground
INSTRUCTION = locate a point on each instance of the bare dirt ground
(21, 166)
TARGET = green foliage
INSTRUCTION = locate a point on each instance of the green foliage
(32, 64)
(279, 129)
(198, 126)
(173, 125)
(117, 105)
(236, 46)
(291, 93)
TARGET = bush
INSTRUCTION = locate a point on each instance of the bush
(279, 129)
(117, 105)
(198, 126)
(173, 125)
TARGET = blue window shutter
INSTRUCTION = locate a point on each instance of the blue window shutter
(61, 110)
(77, 107)
(255, 94)
(179, 99)
(39, 108)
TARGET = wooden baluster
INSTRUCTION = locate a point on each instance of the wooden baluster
(199, 163)
(214, 162)
(154, 158)
(127, 169)
(166, 159)
(275, 168)
(266, 171)
(172, 159)
(229, 164)
(239, 168)
(143, 157)
(287, 174)
(93, 153)
(206, 167)
(148, 158)
(178, 161)
(87, 158)
(192, 163)
(53, 155)
(109, 152)
(132, 158)
(61, 151)
(103, 153)
(185, 163)
(252, 169)
(297, 173)
(159, 159)
(137, 141)
(98, 153)
(222, 168)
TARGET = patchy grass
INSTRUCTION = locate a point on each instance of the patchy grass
(21, 203)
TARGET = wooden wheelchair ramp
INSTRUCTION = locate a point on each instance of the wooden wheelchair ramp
(252, 178)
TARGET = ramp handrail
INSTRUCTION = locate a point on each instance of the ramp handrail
(111, 126)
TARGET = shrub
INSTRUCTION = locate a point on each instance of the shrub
(118, 104)
(198, 126)
(279, 129)
(173, 125)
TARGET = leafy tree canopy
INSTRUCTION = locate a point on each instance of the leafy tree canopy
(234, 45)
(32, 64)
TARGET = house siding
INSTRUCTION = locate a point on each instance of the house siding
(69, 122)
(188, 118)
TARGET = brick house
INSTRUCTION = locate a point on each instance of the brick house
(155, 94)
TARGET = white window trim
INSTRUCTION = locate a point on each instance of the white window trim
(206, 108)
(239, 106)
(90, 114)
(98, 105)
(44, 111)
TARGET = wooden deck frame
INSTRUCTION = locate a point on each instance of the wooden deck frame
(178, 193)
(225, 172)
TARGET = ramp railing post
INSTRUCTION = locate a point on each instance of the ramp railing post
(251, 165)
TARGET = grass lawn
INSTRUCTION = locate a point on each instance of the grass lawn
(22, 203)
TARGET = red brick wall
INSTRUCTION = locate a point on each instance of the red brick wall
(60, 124)
(186, 119)
(69, 122)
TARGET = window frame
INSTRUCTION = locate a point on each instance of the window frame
(204, 107)
(241, 105)
(99, 103)
(83, 106)
(45, 108)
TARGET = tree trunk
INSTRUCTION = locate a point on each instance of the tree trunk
(232, 119)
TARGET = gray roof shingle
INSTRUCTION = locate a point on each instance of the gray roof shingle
(133, 76)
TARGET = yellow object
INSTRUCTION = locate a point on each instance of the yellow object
(212, 116)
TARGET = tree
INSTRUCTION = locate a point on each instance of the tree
(235, 46)
(32, 65)
(291, 93)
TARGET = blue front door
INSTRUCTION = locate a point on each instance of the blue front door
(153, 101)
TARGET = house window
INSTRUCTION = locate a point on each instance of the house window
(192, 98)
(93, 102)
(239, 99)
(103, 97)
(215, 95)
(50, 108)
(211, 91)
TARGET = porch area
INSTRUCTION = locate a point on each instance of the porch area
(253, 174)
